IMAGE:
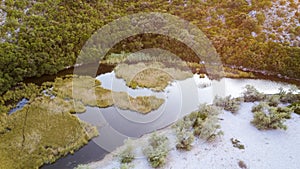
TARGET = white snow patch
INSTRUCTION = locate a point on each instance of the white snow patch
(273, 149)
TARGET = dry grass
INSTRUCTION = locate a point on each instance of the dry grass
(142, 104)
(45, 130)
(88, 91)
(42, 132)
(154, 75)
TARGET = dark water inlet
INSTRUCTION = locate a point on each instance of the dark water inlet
(89, 153)
(82, 70)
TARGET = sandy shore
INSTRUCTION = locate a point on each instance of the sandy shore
(272, 149)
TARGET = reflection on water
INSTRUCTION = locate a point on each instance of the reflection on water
(181, 97)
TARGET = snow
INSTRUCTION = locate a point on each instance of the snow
(272, 149)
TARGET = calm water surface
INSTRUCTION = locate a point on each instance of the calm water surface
(181, 97)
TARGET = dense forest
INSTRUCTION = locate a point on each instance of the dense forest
(44, 37)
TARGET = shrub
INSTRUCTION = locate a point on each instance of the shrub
(272, 118)
(273, 100)
(262, 106)
(210, 128)
(157, 150)
(252, 95)
(205, 122)
(286, 110)
(289, 97)
(184, 134)
(205, 110)
(295, 107)
(228, 103)
(126, 156)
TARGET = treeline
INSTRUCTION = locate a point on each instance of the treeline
(43, 37)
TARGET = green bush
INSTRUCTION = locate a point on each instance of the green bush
(271, 118)
(49, 36)
(157, 150)
(252, 95)
(228, 103)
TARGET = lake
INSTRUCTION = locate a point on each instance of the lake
(181, 97)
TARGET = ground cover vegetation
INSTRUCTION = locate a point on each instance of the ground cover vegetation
(39, 37)
(45, 129)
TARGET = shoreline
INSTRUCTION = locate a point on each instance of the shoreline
(261, 147)
(230, 74)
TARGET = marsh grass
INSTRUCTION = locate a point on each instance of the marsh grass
(45, 129)
(42, 132)
(87, 90)
(141, 104)
(10, 99)
(154, 75)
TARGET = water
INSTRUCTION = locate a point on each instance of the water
(19, 106)
(181, 98)
(89, 153)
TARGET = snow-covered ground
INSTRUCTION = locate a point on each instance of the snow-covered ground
(263, 149)
(272, 149)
